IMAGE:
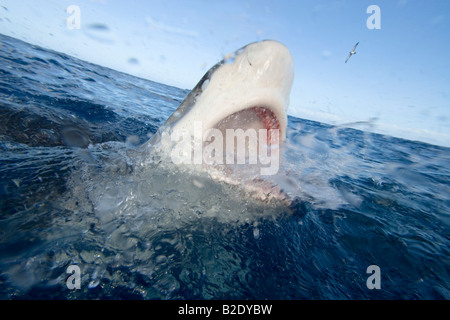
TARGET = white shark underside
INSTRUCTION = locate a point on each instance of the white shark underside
(248, 89)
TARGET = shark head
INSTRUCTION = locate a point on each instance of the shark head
(255, 79)
(248, 89)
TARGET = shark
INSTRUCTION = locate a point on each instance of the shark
(242, 101)
(256, 78)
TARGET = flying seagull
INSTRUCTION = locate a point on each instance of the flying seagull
(352, 52)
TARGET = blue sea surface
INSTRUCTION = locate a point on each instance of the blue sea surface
(74, 191)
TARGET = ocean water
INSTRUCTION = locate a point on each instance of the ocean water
(77, 188)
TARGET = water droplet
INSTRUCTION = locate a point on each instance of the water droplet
(133, 61)
(161, 259)
(197, 183)
(74, 137)
(93, 284)
(256, 233)
(205, 84)
(133, 141)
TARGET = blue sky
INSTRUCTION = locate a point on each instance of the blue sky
(399, 80)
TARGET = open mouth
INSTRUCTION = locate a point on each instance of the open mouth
(247, 137)
(255, 118)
